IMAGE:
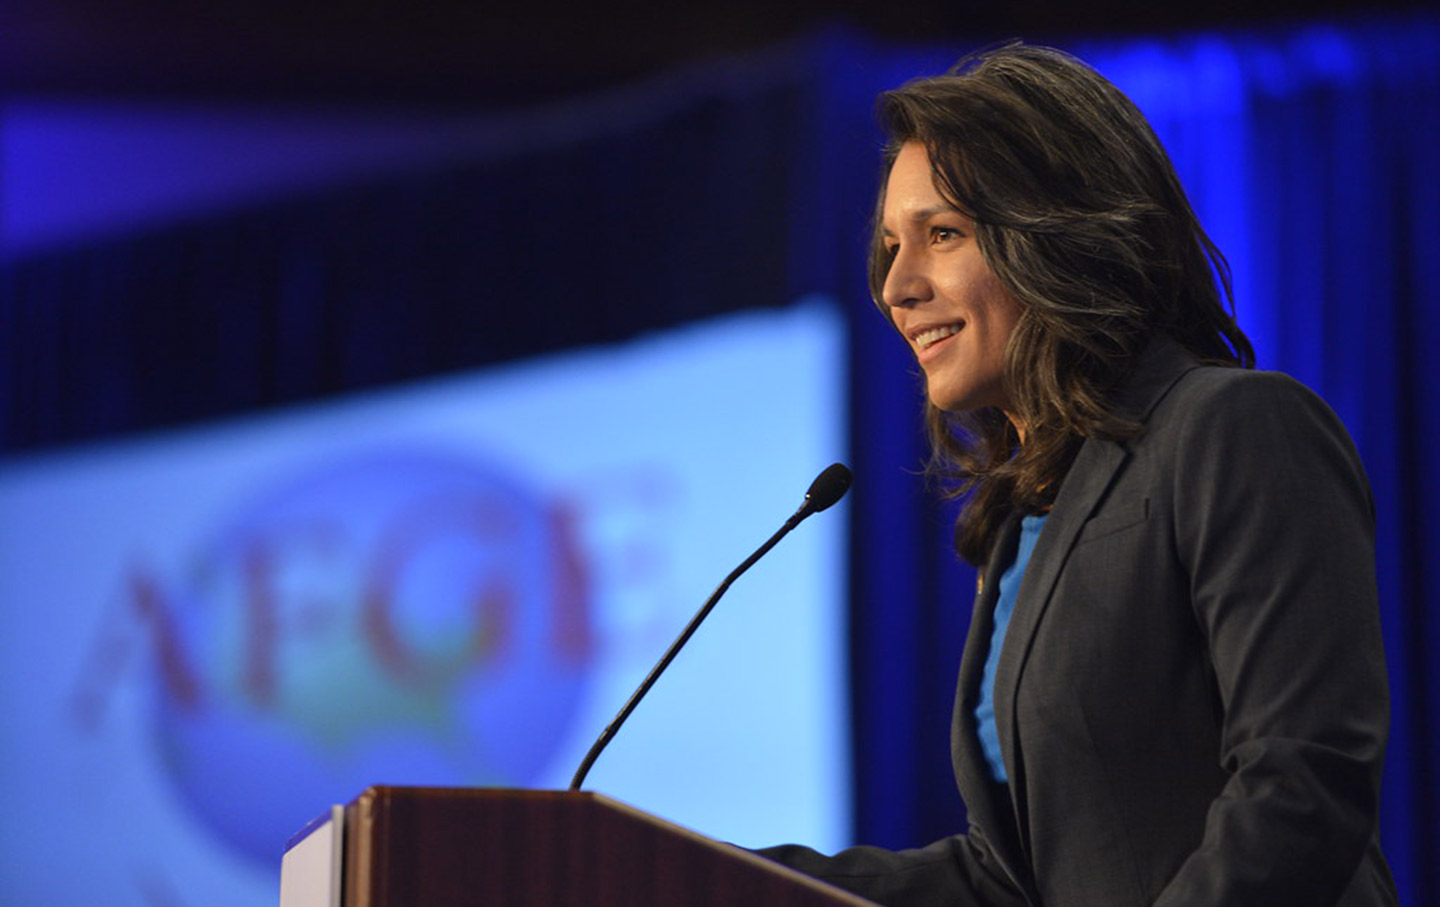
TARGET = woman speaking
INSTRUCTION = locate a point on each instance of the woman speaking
(1173, 691)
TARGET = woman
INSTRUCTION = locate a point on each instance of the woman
(1173, 691)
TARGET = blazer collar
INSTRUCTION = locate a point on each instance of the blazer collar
(1161, 363)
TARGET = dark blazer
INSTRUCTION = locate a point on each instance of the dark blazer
(1191, 698)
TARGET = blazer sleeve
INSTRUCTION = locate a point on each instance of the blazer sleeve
(958, 871)
(1275, 528)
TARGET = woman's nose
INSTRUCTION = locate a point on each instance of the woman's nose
(905, 282)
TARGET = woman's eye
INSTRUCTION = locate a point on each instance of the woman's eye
(892, 250)
(945, 234)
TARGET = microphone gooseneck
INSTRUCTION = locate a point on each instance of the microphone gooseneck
(828, 487)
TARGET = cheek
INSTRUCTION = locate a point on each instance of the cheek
(973, 283)
(1001, 313)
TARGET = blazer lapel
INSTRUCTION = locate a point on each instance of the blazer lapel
(1094, 470)
(972, 772)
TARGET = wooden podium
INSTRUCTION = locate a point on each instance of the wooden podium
(444, 847)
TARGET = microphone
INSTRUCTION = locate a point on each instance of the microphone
(828, 487)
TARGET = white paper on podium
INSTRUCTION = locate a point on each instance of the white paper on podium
(310, 869)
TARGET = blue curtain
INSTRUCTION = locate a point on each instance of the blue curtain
(1310, 154)
(635, 219)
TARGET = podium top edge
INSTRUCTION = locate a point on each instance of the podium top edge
(406, 792)
(310, 827)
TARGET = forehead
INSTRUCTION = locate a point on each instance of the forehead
(910, 190)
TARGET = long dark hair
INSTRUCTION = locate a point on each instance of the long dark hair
(1080, 216)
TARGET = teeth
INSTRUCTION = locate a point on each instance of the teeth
(935, 335)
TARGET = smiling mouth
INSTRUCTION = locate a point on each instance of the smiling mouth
(928, 338)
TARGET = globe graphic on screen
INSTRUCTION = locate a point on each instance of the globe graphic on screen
(394, 619)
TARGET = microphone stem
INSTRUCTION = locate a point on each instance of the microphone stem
(679, 643)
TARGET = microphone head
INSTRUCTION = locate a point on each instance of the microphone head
(830, 486)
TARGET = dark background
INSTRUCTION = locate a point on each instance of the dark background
(501, 54)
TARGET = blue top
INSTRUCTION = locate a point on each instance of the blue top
(1030, 527)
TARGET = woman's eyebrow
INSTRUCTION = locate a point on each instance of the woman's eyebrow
(927, 213)
(920, 215)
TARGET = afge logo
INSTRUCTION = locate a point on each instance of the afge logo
(399, 618)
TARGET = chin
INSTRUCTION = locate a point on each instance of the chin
(952, 402)
(955, 407)
(963, 402)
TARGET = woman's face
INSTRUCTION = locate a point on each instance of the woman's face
(941, 294)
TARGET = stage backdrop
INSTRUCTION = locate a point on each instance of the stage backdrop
(1308, 149)
(209, 635)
